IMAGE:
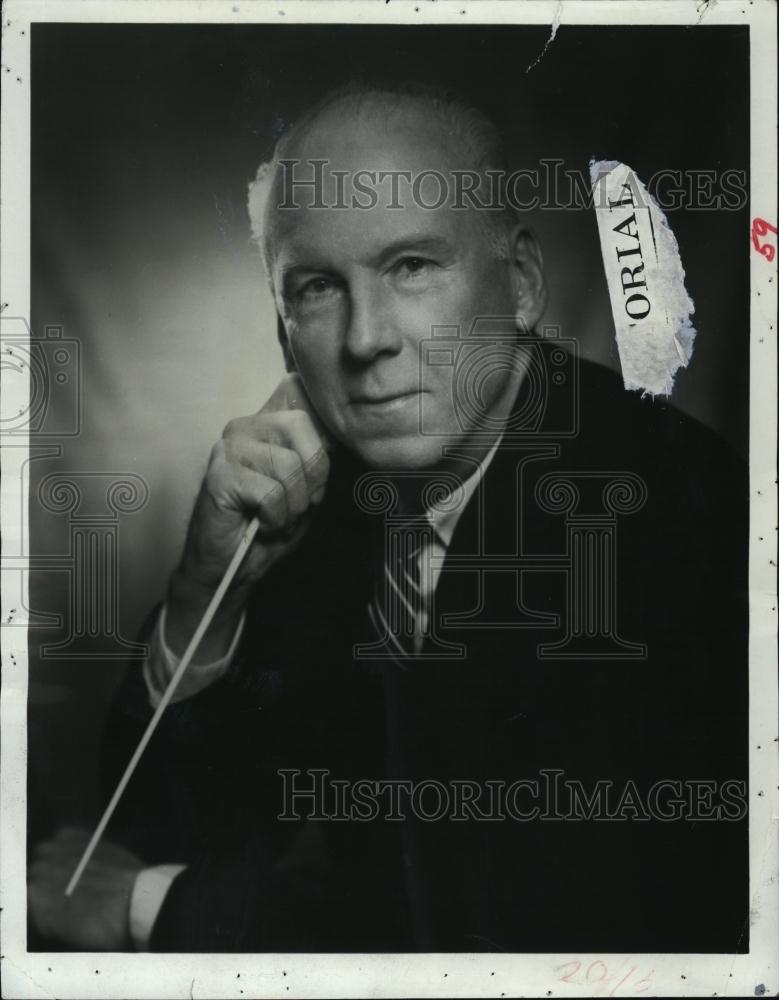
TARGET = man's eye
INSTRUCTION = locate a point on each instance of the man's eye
(411, 266)
(316, 288)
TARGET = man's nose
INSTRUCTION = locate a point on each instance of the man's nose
(373, 327)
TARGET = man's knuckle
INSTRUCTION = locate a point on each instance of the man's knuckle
(214, 477)
(269, 491)
(273, 505)
(233, 454)
(234, 428)
(287, 464)
(299, 420)
(218, 453)
(318, 463)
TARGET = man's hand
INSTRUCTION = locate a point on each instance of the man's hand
(274, 465)
(96, 916)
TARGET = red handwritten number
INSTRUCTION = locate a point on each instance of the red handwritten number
(761, 228)
(638, 988)
(597, 973)
(574, 966)
(593, 966)
(622, 981)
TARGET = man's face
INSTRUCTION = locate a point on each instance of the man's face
(360, 290)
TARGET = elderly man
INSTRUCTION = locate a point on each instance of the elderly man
(482, 569)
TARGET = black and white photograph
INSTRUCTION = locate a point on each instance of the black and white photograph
(389, 499)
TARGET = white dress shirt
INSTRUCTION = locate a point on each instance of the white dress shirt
(152, 884)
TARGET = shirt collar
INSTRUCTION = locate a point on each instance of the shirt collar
(444, 522)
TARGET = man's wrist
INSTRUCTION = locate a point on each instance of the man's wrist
(187, 589)
(162, 663)
(186, 603)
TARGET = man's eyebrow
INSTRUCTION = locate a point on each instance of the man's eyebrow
(418, 243)
(413, 243)
(291, 271)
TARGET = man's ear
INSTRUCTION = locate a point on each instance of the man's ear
(529, 278)
(281, 333)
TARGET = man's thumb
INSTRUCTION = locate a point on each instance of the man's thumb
(291, 394)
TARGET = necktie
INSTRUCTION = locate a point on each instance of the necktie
(399, 606)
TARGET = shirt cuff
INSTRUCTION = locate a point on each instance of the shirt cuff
(162, 663)
(149, 892)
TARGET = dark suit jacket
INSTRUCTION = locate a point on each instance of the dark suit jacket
(208, 791)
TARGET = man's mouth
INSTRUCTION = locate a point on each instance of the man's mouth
(383, 403)
(368, 398)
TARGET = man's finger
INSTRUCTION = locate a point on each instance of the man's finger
(254, 491)
(291, 394)
(295, 430)
(67, 835)
(285, 467)
(50, 849)
(53, 849)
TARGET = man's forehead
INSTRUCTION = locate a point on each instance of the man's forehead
(363, 177)
(323, 237)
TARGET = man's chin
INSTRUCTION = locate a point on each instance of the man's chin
(412, 453)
